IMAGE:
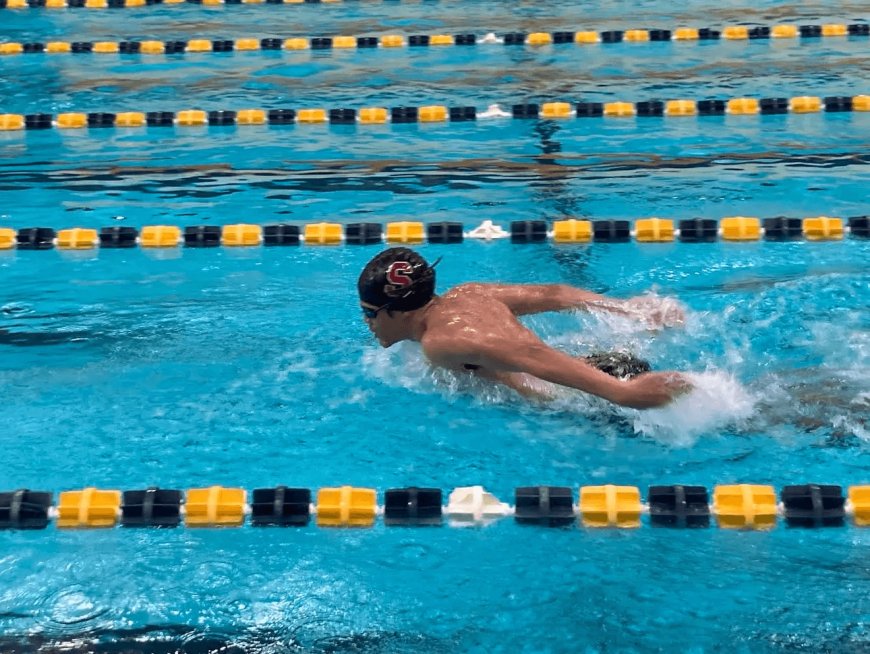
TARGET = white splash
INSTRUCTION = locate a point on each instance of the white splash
(855, 423)
(717, 401)
(405, 366)
(402, 365)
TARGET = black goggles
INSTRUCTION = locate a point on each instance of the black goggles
(371, 314)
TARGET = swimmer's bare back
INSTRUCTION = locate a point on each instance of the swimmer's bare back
(475, 326)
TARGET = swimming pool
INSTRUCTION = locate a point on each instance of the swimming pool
(250, 367)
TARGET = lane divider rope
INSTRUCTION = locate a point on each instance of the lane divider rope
(567, 231)
(343, 42)
(735, 506)
(743, 106)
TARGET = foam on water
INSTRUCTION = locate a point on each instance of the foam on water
(718, 401)
(850, 425)
(831, 397)
(405, 366)
(402, 365)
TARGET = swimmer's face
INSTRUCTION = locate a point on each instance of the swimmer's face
(380, 323)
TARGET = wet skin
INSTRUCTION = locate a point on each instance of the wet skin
(476, 326)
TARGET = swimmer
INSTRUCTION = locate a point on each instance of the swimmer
(474, 328)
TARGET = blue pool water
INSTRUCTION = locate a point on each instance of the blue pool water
(251, 367)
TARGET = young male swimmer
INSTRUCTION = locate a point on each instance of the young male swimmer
(474, 328)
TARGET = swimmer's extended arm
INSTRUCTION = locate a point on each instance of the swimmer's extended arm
(539, 360)
(523, 299)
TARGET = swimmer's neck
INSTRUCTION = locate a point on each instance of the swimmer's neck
(417, 320)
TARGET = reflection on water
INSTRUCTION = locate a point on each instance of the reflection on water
(404, 176)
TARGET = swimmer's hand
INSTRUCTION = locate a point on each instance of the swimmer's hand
(653, 389)
(657, 312)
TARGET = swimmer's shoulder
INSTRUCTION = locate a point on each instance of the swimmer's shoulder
(477, 291)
